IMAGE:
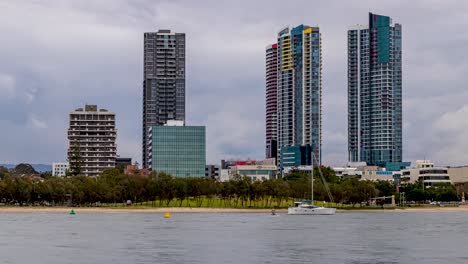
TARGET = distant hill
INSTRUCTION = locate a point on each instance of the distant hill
(37, 167)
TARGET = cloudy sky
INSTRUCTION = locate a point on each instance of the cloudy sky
(56, 56)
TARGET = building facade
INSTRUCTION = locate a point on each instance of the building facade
(299, 93)
(225, 175)
(59, 169)
(163, 81)
(459, 177)
(123, 161)
(177, 150)
(92, 135)
(427, 173)
(271, 101)
(295, 156)
(255, 172)
(375, 92)
(212, 172)
(226, 164)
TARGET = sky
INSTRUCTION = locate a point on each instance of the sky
(56, 56)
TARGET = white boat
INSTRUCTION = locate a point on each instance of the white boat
(307, 207)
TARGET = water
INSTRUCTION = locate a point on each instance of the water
(233, 238)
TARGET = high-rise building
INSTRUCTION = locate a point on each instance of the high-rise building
(375, 92)
(163, 81)
(92, 134)
(271, 100)
(299, 92)
(177, 150)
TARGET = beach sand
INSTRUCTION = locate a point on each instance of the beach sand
(132, 210)
(208, 210)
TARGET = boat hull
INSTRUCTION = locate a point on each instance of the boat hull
(311, 211)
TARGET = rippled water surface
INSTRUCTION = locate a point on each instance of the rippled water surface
(233, 238)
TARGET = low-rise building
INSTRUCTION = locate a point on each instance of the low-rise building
(226, 164)
(225, 175)
(212, 172)
(59, 169)
(255, 172)
(346, 172)
(123, 161)
(306, 169)
(378, 175)
(361, 172)
(427, 173)
(459, 177)
(133, 170)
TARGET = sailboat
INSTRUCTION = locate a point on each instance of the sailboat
(307, 207)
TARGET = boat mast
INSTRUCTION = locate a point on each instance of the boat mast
(312, 179)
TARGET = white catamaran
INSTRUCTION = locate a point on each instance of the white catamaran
(307, 207)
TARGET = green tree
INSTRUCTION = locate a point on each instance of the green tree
(3, 172)
(74, 160)
(385, 188)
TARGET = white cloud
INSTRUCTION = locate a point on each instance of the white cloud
(7, 86)
(450, 137)
(37, 123)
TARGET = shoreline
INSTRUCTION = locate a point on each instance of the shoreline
(211, 210)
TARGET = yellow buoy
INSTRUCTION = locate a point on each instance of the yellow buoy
(167, 215)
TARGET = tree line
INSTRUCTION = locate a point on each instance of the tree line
(159, 189)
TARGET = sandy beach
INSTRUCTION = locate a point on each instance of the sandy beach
(208, 210)
(132, 210)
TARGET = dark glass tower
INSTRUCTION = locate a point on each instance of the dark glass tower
(163, 82)
(375, 92)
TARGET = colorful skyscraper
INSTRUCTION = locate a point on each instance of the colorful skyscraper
(299, 88)
(271, 100)
(375, 92)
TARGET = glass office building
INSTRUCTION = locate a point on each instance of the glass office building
(178, 150)
(295, 156)
(375, 92)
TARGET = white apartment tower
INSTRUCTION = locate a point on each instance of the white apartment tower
(93, 133)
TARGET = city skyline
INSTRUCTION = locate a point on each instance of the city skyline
(225, 77)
